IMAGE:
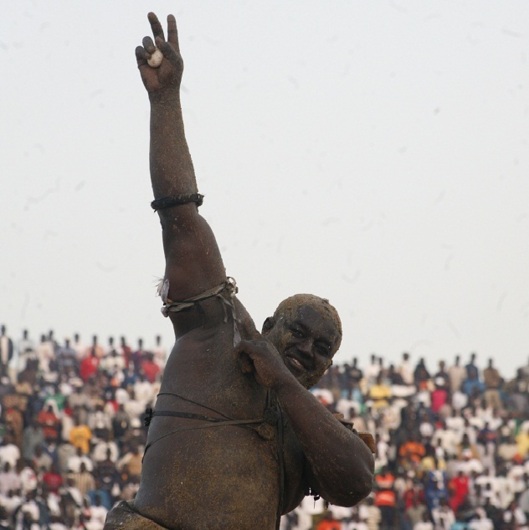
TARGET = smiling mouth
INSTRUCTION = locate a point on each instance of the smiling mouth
(295, 364)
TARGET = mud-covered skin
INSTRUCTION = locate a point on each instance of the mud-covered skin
(227, 477)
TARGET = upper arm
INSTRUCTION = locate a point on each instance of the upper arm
(193, 263)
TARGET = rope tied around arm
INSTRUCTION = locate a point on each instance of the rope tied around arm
(177, 200)
(171, 306)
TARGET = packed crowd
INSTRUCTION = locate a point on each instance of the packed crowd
(452, 443)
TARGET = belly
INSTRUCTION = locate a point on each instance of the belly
(212, 478)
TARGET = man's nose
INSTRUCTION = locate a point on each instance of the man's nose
(305, 346)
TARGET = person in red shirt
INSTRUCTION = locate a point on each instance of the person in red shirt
(50, 423)
(385, 497)
(413, 498)
(52, 479)
(89, 365)
(329, 523)
(150, 368)
(458, 488)
(126, 351)
(439, 395)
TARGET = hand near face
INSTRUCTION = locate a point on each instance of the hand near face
(262, 359)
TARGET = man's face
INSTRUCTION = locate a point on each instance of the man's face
(307, 339)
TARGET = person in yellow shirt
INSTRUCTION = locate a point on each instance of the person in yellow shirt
(380, 393)
(522, 441)
(80, 436)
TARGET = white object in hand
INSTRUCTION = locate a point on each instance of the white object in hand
(156, 58)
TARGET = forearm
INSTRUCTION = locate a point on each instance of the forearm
(171, 166)
(170, 162)
(340, 463)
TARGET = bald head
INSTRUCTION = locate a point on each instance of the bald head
(321, 305)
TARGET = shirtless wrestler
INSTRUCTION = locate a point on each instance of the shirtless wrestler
(235, 439)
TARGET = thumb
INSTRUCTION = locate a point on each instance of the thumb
(246, 363)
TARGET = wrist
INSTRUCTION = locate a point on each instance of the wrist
(284, 383)
(165, 97)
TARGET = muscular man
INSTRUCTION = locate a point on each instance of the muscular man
(235, 439)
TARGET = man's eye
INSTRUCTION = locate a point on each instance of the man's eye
(324, 350)
(296, 332)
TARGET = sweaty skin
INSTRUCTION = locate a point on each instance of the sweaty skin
(198, 476)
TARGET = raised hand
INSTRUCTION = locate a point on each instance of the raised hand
(168, 75)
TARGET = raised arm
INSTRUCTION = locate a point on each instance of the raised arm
(193, 261)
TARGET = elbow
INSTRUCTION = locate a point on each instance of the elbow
(357, 486)
(353, 497)
(362, 488)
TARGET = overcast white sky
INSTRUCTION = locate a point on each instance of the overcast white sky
(375, 153)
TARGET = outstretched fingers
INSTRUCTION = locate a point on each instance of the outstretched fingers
(169, 47)
(156, 27)
(159, 60)
(172, 32)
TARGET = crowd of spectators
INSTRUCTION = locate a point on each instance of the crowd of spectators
(71, 429)
(452, 446)
(452, 442)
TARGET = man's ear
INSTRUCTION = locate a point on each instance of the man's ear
(268, 324)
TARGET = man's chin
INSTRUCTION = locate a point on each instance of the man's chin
(304, 377)
(307, 380)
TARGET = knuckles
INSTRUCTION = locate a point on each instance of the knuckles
(256, 347)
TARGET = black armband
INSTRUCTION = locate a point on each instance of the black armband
(176, 200)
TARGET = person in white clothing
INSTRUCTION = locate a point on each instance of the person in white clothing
(405, 369)
(98, 514)
(6, 352)
(355, 523)
(9, 479)
(9, 452)
(25, 351)
(105, 448)
(515, 517)
(443, 516)
(425, 524)
(159, 351)
(480, 521)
